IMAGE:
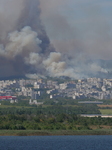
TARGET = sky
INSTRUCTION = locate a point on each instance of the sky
(87, 23)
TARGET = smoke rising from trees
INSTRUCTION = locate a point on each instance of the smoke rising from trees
(26, 49)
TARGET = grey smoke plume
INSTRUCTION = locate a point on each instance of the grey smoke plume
(82, 32)
(22, 38)
(26, 50)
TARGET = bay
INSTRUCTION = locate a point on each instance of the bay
(93, 142)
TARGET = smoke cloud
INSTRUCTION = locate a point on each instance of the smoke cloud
(23, 40)
(40, 38)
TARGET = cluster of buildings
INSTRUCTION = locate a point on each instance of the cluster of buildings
(35, 89)
(90, 88)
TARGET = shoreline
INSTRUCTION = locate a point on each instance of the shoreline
(54, 132)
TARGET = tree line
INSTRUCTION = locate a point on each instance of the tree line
(51, 122)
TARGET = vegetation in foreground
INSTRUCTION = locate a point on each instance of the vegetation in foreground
(57, 121)
(54, 132)
(53, 119)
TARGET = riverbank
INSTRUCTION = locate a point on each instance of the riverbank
(54, 132)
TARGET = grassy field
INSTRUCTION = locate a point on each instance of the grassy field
(106, 111)
(105, 106)
(54, 132)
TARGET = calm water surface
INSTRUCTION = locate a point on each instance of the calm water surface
(56, 142)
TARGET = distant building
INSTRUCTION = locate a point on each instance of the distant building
(90, 102)
(34, 102)
(35, 95)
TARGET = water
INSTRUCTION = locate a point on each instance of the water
(56, 142)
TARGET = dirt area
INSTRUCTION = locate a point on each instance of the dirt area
(102, 106)
(100, 127)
